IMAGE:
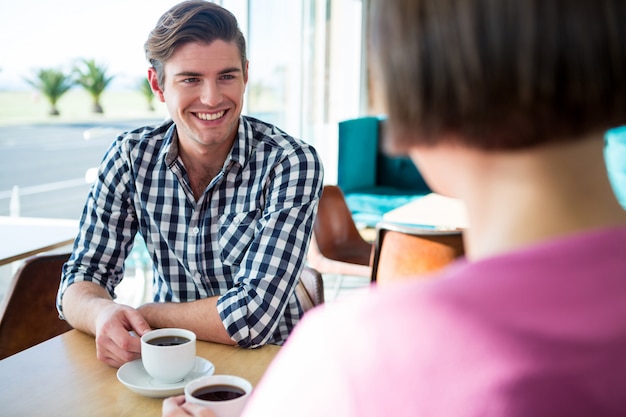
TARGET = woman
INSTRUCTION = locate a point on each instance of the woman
(502, 104)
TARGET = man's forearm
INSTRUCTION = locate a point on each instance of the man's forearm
(199, 316)
(82, 302)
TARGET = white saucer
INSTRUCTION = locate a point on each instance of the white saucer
(134, 376)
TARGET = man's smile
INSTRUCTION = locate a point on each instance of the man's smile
(210, 116)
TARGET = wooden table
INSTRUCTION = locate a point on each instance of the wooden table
(431, 211)
(21, 237)
(63, 377)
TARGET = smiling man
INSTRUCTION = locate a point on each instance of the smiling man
(224, 202)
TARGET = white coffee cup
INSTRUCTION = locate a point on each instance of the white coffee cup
(219, 387)
(164, 357)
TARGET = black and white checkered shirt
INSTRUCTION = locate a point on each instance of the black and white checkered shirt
(244, 239)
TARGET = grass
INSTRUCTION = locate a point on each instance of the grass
(21, 107)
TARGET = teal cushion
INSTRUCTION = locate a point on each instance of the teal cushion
(358, 147)
(400, 172)
(368, 209)
(615, 156)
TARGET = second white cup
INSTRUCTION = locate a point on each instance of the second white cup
(225, 395)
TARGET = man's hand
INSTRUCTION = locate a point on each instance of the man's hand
(115, 344)
(89, 308)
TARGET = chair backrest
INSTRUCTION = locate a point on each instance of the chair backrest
(335, 232)
(310, 289)
(403, 251)
(364, 166)
(28, 314)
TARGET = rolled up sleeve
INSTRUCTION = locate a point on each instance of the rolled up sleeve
(261, 307)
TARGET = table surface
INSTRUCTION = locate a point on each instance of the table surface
(433, 210)
(21, 237)
(63, 377)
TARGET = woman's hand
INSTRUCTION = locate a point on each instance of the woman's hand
(177, 407)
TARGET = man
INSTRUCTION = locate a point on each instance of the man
(224, 202)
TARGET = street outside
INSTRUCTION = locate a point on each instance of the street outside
(48, 162)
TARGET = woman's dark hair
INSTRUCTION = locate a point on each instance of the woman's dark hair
(192, 21)
(503, 74)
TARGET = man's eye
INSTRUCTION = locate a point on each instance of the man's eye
(190, 80)
(227, 77)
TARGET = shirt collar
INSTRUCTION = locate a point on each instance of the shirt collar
(169, 151)
(241, 147)
(238, 153)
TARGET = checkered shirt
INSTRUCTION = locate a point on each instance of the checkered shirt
(245, 239)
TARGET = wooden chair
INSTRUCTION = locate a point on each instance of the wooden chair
(337, 247)
(310, 289)
(28, 314)
(403, 251)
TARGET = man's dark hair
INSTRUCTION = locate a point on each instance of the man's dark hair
(192, 21)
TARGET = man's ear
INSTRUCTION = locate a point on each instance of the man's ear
(154, 84)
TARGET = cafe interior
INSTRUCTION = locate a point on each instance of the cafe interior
(377, 220)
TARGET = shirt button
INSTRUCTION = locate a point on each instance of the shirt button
(196, 230)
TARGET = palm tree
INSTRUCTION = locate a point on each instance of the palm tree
(146, 91)
(52, 83)
(94, 79)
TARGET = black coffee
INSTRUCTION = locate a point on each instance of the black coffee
(168, 340)
(218, 392)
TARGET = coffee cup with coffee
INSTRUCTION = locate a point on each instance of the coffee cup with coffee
(225, 395)
(168, 355)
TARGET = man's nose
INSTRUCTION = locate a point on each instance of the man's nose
(211, 94)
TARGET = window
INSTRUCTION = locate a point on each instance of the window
(306, 66)
(306, 75)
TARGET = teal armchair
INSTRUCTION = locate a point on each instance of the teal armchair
(372, 181)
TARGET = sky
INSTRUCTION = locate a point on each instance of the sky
(38, 34)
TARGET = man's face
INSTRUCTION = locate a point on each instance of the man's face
(203, 91)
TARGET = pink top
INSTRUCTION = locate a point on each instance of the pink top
(537, 332)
